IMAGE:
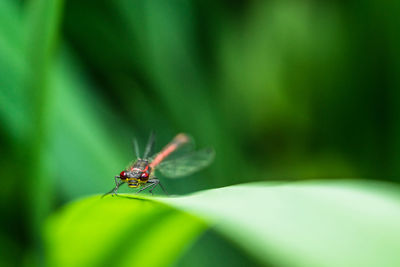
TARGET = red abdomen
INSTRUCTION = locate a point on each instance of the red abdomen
(179, 140)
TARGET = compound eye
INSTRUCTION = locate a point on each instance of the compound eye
(144, 175)
(122, 175)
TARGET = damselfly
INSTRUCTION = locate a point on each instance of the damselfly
(177, 159)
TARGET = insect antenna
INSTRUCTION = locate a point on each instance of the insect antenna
(150, 145)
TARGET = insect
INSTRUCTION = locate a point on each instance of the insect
(177, 159)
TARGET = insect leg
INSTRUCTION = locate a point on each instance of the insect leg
(163, 188)
(152, 183)
(149, 183)
(157, 182)
(114, 190)
(154, 186)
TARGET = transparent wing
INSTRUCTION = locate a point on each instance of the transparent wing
(150, 145)
(187, 164)
(136, 147)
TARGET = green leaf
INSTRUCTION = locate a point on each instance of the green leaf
(320, 223)
(119, 231)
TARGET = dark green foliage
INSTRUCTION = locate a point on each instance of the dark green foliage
(283, 90)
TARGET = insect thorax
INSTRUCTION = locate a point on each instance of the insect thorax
(140, 165)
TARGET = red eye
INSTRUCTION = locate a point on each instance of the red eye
(144, 175)
(122, 175)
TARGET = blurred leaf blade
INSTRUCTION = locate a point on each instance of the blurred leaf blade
(299, 224)
(83, 136)
(13, 71)
(119, 231)
(42, 19)
(306, 224)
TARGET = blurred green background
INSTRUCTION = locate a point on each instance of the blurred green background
(283, 90)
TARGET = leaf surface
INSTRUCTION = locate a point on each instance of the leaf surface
(319, 223)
